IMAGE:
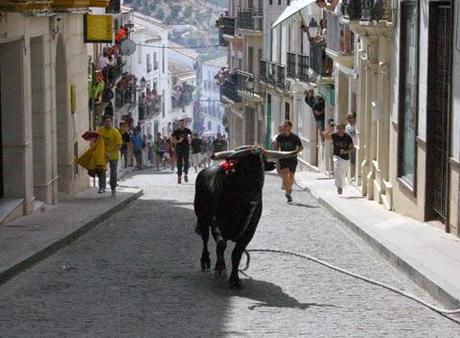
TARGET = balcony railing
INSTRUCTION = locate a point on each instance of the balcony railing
(339, 36)
(319, 63)
(367, 10)
(303, 66)
(280, 76)
(291, 65)
(250, 19)
(229, 89)
(226, 25)
(123, 97)
(271, 73)
(263, 70)
(245, 82)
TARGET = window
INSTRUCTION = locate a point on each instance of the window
(287, 111)
(149, 64)
(279, 2)
(139, 54)
(270, 2)
(155, 61)
(250, 60)
(408, 85)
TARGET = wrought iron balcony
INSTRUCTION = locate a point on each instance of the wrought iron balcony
(226, 25)
(320, 65)
(291, 65)
(125, 96)
(229, 89)
(303, 66)
(280, 76)
(339, 36)
(263, 70)
(250, 19)
(245, 82)
(271, 73)
(367, 10)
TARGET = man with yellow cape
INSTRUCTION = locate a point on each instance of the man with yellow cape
(94, 159)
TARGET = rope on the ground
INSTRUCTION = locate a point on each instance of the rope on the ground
(355, 275)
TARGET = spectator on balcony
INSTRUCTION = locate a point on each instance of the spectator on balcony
(121, 35)
(330, 5)
(318, 105)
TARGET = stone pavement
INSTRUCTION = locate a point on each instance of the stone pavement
(29, 239)
(137, 274)
(427, 254)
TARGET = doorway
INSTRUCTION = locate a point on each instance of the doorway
(438, 111)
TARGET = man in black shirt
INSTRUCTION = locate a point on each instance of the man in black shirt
(343, 146)
(180, 138)
(288, 141)
(318, 105)
(196, 151)
(219, 144)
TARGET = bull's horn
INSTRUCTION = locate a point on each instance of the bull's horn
(222, 155)
(278, 155)
(241, 153)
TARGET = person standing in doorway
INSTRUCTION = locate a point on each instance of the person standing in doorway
(317, 105)
(180, 137)
(126, 143)
(288, 141)
(112, 144)
(343, 146)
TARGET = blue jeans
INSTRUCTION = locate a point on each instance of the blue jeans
(113, 176)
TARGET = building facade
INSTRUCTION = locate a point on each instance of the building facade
(43, 101)
(150, 66)
(241, 30)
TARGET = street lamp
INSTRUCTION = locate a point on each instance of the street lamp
(313, 29)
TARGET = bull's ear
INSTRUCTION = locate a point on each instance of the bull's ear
(270, 165)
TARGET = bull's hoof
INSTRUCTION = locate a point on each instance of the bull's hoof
(220, 274)
(205, 264)
(235, 284)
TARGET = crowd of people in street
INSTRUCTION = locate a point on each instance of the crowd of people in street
(178, 151)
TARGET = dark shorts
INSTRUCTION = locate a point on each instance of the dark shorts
(320, 124)
(288, 163)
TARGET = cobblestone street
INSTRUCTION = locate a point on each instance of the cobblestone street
(137, 274)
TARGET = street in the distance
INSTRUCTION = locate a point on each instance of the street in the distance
(138, 274)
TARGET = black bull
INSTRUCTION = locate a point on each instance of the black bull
(228, 201)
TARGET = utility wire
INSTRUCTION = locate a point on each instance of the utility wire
(178, 48)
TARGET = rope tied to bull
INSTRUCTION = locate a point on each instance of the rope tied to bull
(351, 274)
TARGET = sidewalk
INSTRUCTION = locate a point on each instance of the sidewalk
(428, 255)
(30, 239)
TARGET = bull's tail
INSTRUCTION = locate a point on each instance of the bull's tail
(248, 260)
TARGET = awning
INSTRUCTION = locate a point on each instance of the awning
(295, 7)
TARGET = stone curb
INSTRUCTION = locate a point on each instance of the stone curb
(405, 266)
(43, 253)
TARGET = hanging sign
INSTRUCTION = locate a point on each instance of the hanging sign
(98, 28)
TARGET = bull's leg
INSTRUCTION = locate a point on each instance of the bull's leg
(221, 245)
(241, 245)
(205, 260)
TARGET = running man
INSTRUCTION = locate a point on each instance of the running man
(343, 147)
(288, 141)
(180, 137)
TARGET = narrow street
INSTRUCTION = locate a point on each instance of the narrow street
(137, 274)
